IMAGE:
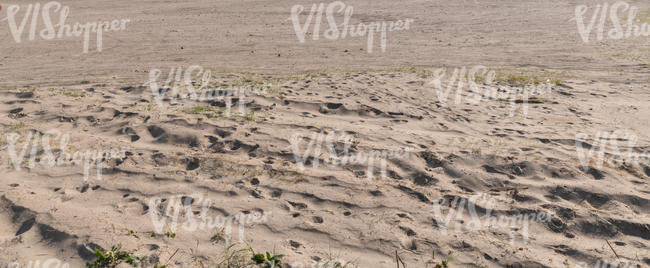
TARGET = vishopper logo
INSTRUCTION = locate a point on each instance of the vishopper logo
(468, 79)
(181, 86)
(340, 140)
(618, 30)
(50, 31)
(605, 148)
(485, 222)
(40, 144)
(167, 217)
(343, 30)
(49, 263)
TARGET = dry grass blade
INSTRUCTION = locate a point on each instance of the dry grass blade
(170, 257)
(398, 260)
(610, 246)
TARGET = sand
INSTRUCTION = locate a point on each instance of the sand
(508, 158)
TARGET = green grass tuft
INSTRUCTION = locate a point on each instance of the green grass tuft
(250, 116)
(72, 94)
(203, 110)
(113, 258)
(236, 257)
(170, 234)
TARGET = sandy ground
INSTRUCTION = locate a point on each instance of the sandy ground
(523, 160)
(259, 36)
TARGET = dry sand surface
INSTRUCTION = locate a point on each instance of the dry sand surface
(449, 178)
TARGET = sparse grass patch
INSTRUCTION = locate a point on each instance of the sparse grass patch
(211, 112)
(66, 93)
(422, 72)
(275, 91)
(235, 256)
(418, 71)
(267, 260)
(635, 56)
(432, 262)
(219, 235)
(515, 79)
(198, 110)
(3, 139)
(273, 83)
(250, 116)
(336, 263)
(503, 75)
(72, 94)
(248, 79)
(143, 107)
(28, 89)
(17, 126)
(643, 17)
(147, 107)
(481, 78)
(22, 89)
(314, 74)
(203, 110)
(132, 233)
(113, 258)
(523, 78)
(332, 261)
(255, 81)
(252, 80)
